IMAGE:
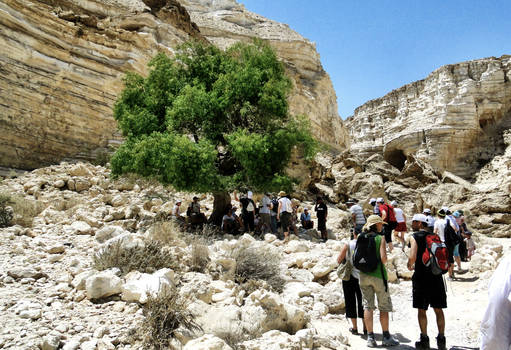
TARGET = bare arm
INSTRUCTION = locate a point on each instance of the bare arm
(354, 218)
(383, 214)
(383, 250)
(278, 210)
(236, 196)
(342, 254)
(412, 254)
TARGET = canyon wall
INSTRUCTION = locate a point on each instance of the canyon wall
(62, 63)
(454, 119)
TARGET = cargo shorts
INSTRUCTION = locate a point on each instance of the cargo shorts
(371, 286)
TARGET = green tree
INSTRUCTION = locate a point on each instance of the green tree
(209, 120)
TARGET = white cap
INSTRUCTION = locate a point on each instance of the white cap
(380, 200)
(393, 203)
(249, 194)
(427, 210)
(420, 217)
(178, 201)
(372, 200)
(445, 209)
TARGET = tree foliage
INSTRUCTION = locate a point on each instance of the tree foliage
(210, 120)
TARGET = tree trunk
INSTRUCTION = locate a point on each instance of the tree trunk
(221, 201)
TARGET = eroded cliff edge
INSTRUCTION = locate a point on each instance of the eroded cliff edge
(62, 63)
(454, 119)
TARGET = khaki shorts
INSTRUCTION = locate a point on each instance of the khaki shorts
(371, 286)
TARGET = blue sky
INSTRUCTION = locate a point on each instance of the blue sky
(370, 47)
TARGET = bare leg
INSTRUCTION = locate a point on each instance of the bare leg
(368, 319)
(354, 323)
(440, 320)
(384, 321)
(458, 262)
(423, 321)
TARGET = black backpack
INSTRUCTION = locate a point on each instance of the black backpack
(275, 205)
(364, 257)
(451, 237)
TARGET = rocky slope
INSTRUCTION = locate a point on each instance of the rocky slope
(62, 64)
(52, 297)
(454, 119)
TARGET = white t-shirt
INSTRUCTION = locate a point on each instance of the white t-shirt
(285, 205)
(430, 220)
(496, 323)
(398, 212)
(175, 210)
(440, 228)
(359, 214)
(265, 205)
(354, 272)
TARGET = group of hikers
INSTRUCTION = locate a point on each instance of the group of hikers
(434, 247)
(436, 244)
(273, 214)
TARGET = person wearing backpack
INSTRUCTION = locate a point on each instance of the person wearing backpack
(351, 287)
(388, 215)
(247, 210)
(452, 240)
(428, 287)
(369, 258)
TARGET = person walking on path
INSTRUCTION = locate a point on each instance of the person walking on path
(322, 213)
(387, 214)
(400, 229)
(430, 218)
(284, 213)
(496, 323)
(427, 289)
(376, 207)
(357, 215)
(374, 284)
(351, 288)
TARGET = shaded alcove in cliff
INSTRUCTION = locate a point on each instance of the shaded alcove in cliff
(396, 157)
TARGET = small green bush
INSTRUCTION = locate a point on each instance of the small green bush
(5, 210)
(148, 258)
(255, 264)
(163, 315)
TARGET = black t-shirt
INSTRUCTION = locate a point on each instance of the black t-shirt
(321, 211)
(422, 272)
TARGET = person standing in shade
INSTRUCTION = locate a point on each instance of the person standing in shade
(247, 211)
(264, 214)
(284, 213)
(321, 213)
(357, 215)
(427, 289)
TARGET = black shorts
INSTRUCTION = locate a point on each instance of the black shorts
(387, 230)
(429, 291)
(321, 224)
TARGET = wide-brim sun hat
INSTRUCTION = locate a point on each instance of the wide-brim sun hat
(373, 220)
(282, 194)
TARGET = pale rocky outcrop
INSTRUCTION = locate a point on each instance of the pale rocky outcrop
(454, 119)
(63, 61)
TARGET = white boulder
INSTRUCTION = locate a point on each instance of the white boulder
(139, 286)
(103, 284)
(207, 342)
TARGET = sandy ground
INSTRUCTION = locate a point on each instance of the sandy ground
(467, 298)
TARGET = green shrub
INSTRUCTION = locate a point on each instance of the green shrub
(148, 258)
(163, 315)
(256, 264)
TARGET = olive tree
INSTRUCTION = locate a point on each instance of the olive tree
(208, 120)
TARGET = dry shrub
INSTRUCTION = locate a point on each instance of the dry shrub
(6, 212)
(25, 210)
(234, 337)
(258, 264)
(163, 315)
(165, 232)
(148, 258)
(200, 257)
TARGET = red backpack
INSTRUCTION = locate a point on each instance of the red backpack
(436, 255)
(391, 216)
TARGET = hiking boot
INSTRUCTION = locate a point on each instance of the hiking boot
(371, 343)
(440, 342)
(423, 343)
(389, 341)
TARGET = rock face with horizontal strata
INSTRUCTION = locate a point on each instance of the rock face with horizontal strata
(226, 22)
(62, 64)
(454, 119)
